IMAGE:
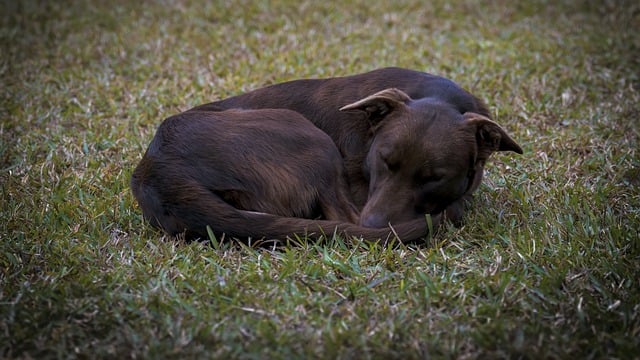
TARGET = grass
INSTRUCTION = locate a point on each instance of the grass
(547, 264)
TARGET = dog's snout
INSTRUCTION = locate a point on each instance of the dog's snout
(374, 221)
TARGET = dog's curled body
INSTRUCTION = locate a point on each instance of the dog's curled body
(440, 135)
(248, 174)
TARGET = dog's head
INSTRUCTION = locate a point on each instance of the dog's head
(424, 155)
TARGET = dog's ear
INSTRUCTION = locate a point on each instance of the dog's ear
(489, 135)
(380, 104)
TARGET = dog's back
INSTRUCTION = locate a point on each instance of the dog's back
(319, 99)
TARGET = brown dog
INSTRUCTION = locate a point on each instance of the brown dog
(249, 174)
(412, 143)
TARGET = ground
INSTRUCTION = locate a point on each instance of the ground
(547, 264)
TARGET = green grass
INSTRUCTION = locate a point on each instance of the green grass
(547, 264)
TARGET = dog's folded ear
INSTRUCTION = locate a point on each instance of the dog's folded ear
(380, 104)
(489, 135)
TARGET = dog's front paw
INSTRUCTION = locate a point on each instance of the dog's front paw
(454, 213)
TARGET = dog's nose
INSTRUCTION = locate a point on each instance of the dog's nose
(375, 221)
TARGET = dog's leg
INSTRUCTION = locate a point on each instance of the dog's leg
(338, 207)
(336, 204)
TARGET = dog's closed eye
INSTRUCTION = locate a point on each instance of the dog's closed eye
(392, 163)
(427, 178)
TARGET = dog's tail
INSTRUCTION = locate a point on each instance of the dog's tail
(192, 214)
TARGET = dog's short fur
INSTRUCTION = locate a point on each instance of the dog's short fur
(412, 143)
(248, 174)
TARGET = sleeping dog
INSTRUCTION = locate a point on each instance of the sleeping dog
(250, 174)
(412, 143)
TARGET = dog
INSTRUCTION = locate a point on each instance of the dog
(261, 174)
(412, 143)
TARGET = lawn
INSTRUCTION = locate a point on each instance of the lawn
(547, 264)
